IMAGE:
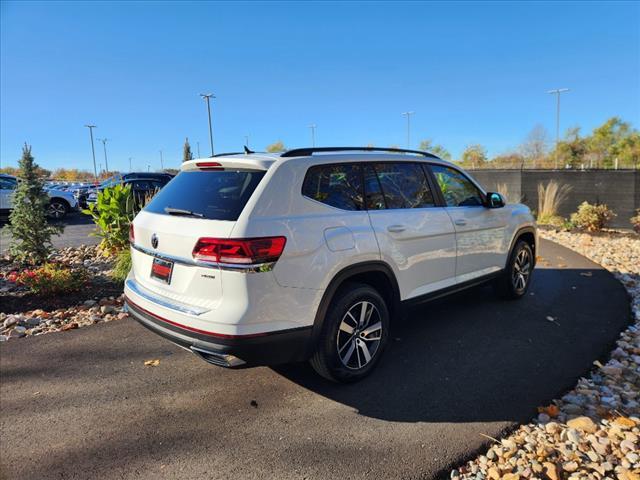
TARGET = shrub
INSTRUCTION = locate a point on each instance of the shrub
(51, 278)
(112, 213)
(122, 266)
(635, 221)
(503, 189)
(550, 197)
(30, 231)
(592, 217)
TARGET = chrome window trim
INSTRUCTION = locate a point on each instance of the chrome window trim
(163, 302)
(234, 267)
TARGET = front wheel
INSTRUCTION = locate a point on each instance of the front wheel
(514, 282)
(354, 334)
(57, 209)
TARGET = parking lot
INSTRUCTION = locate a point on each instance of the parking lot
(77, 231)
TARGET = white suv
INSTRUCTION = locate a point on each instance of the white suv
(258, 259)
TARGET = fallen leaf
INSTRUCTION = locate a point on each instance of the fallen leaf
(552, 320)
(551, 410)
(624, 422)
(152, 363)
(586, 274)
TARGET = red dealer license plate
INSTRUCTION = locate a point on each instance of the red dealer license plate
(161, 269)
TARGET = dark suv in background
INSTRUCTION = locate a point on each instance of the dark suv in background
(142, 183)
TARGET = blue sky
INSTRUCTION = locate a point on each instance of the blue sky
(472, 72)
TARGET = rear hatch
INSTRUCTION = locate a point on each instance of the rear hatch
(198, 203)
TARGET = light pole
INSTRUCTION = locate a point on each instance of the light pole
(557, 93)
(246, 141)
(313, 134)
(198, 148)
(161, 161)
(408, 115)
(207, 97)
(104, 146)
(93, 150)
(130, 169)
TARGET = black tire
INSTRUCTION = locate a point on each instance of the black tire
(515, 281)
(334, 343)
(57, 209)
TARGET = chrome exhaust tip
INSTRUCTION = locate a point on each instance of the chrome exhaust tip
(219, 359)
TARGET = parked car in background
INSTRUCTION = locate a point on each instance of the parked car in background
(142, 184)
(61, 203)
(258, 259)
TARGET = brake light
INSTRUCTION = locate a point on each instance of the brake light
(209, 166)
(132, 236)
(245, 251)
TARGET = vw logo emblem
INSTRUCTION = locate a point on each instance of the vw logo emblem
(154, 241)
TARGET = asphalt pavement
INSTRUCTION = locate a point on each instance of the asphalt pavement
(82, 404)
(77, 231)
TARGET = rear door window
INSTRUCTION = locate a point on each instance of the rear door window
(215, 195)
(404, 185)
(338, 185)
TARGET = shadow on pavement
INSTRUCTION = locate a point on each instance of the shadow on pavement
(471, 357)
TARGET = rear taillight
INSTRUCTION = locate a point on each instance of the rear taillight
(245, 251)
(132, 236)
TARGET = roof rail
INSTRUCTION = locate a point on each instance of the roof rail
(302, 152)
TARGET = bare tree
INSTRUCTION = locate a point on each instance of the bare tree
(536, 146)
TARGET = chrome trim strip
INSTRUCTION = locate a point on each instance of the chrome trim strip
(178, 307)
(234, 267)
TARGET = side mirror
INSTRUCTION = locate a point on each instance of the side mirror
(495, 200)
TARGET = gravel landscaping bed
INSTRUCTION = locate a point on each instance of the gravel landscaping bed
(592, 432)
(23, 313)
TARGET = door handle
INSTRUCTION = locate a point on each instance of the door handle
(460, 222)
(396, 228)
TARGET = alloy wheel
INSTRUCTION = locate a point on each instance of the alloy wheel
(57, 210)
(359, 335)
(521, 270)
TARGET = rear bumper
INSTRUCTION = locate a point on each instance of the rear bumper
(230, 351)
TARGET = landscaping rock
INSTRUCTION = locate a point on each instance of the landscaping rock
(593, 432)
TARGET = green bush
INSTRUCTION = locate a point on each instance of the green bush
(592, 218)
(51, 278)
(635, 221)
(122, 266)
(550, 219)
(30, 231)
(112, 213)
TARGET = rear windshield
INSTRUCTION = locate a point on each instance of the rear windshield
(216, 195)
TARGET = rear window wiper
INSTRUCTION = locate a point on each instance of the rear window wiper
(180, 211)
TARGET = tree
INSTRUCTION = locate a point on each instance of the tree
(186, 151)
(17, 172)
(428, 146)
(474, 156)
(605, 141)
(572, 149)
(536, 146)
(508, 160)
(30, 231)
(276, 147)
